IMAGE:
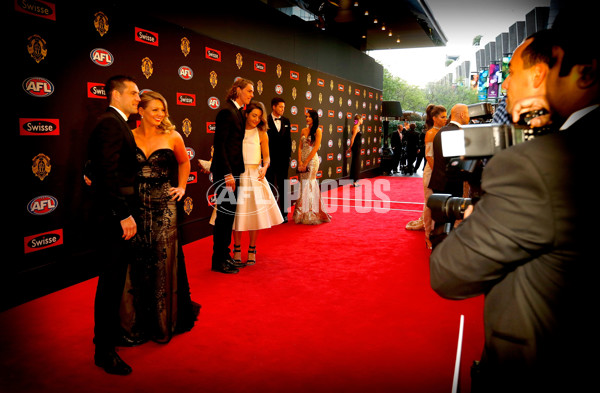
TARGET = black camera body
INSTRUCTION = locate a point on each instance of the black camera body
(468, 149)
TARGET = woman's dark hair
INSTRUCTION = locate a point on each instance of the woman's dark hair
(432, 111)
(315, 125)
(263, 117)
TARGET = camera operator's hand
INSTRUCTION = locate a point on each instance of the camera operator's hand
(531, 104)
(468, 211)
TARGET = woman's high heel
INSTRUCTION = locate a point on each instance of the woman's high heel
(251, 253)
(237, 249)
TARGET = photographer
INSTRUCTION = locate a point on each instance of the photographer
(527, 245)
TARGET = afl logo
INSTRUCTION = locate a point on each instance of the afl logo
(308, 95)
(331, 99)
(294, 110)
(213, 103)
(330, 143)
(279, 89)
(190, 152)
(293, 164)
(42, 205)
(101, 57)
(38, 87)
(185, 73)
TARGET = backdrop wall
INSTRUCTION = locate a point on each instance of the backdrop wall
(63, 58)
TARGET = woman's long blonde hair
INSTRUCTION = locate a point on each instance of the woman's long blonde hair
(150, 95)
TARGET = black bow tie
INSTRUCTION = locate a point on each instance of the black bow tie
(277, 119)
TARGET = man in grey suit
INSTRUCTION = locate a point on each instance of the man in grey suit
(528, 246)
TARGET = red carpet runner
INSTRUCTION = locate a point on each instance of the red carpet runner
(340, 307)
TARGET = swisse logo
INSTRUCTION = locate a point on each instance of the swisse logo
(294, 75)
(185, 73)
(214, 103)
(320, 82)
(96, 90)
(39, 127)
(192, 178)
(42, 9)
(340, 87)
(102, 57)
(43, 240)
(212, 54)
(211, 127)
(258, 66)
(186, 99)
(41, 205)
(145, 36)
(329, 156)
(38, 87)
(294, 128)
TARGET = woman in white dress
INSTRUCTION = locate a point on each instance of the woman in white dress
(309, 208)
(256, 206)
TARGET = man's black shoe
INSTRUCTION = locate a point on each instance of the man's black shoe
(111, 363)
(224, 267)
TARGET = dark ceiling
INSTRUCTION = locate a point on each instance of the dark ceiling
(408, 23)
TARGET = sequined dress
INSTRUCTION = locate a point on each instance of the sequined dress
(156, 299)
(309, 208)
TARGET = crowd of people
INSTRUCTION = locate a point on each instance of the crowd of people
(526, 245)
(408, 148)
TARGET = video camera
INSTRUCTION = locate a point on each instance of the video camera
(469, 148)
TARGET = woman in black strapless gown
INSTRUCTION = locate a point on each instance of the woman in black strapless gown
(156, 300)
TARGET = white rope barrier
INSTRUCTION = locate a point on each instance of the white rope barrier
(458, 355)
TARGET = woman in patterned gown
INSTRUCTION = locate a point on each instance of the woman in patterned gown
(309, 208)
(156, 299)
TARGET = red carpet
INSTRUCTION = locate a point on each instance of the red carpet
(340, 307)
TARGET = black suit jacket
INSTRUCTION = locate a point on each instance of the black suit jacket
(228, 141)
(280, 142)
(443, 178)
(112, 156)
(530, 248)
(396, 142)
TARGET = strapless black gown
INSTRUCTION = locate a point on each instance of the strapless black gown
(156, 300)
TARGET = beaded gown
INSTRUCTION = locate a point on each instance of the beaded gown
(156, 301)
(309, 208)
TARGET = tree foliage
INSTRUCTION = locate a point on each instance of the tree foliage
(416, 99)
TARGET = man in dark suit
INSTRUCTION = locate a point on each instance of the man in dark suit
(113, 168)
(397, 148)
(529, 245)
(411, 142)
(280, 150)
(227, 165)
(444, 179)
